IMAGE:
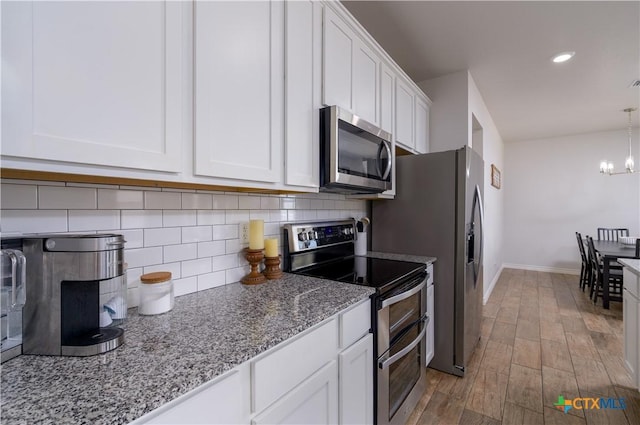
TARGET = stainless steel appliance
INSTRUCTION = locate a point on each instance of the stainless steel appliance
(76, 294)
(438, 212)
(399, 316)
(12, 298)
(355, 155)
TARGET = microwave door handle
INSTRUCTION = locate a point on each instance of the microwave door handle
(388, 169)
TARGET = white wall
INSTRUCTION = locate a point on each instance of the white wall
(553, 189)
(456, 99)
(194, 235)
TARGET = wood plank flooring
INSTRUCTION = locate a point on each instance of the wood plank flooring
(541, 337)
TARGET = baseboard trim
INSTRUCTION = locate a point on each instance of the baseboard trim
(492, 285)
(541, 268)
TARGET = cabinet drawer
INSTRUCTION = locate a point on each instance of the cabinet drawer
(282, 368)
(355, 323)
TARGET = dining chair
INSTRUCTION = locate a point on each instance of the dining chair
(596, 279)
(585, 270)
(611, 234)
(638, 248)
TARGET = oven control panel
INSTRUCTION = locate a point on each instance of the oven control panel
(307, 236)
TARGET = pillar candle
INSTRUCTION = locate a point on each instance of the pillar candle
(256, 234)
(271, 247)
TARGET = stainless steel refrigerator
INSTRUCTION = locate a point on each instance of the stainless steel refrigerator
(438, 212)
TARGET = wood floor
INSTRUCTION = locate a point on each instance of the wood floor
(541, 338)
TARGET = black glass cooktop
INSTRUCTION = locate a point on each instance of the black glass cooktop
(373, 272)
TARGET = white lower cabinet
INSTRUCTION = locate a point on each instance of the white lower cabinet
(313, 401)
(631, 323)
(322, 376)
(356, 382)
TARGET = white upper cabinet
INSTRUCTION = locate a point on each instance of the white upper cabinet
(421, 124)
(303, 69)
(239, 90)
(94, 83)
(386, 97)
(351, 69)
(404, 108)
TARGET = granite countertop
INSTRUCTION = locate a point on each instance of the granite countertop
(401, 257)
(165, 356)
(631, 263)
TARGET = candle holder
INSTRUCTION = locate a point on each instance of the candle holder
(254, 257)
(272, 270)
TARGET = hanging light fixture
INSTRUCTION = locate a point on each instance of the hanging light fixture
(607, 167)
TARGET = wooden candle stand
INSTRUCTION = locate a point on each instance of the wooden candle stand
(254, 257)
(272, 270)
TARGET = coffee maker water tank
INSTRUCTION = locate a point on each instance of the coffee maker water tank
(12, 298)
(76, 296)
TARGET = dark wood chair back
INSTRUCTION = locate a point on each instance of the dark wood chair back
(583, 254)
(638, 248)
(611, 234)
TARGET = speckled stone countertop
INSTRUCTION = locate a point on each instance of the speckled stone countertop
(401, 257)
(631, 263)
(165, 356)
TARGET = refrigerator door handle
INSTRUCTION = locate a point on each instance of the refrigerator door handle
(477, 201)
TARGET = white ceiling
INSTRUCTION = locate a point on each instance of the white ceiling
(507, 46)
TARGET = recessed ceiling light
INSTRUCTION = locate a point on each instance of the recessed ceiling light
(563, 57)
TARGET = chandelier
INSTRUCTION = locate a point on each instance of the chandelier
(607, 167)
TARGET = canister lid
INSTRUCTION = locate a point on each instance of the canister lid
(155, 277)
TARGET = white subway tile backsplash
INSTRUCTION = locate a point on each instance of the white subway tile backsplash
(34, 221)
(134, 238)
(140, 257)
(162, 236)
(236, 274)
(140, 219)
(180, 252)
(162, 200)
(211, 249)
(120, 199)
(233, 246)
(211, 280)
(185, 286)
(18, 196)
(236, 216)
(209, 217)
(133, 297)
(197, 201)
(249, 202)
(224, 262)
(172, 218)
(196, 234)
(174, 268)
(67, 198)
(196, 267)
(86, 220)
(32, 182)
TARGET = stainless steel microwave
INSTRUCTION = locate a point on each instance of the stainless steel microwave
(355, 155)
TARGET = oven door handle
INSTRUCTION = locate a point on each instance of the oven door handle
(383, 364)
(404, 295)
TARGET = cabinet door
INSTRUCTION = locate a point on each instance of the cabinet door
(95, 82)
(631, 333)
(338, 51)
(314, 401)
(356, 382)
(404, 115)
(431, 326)
(365, 83)
(222, 401)
(422, 125)
(303, 58)
(239, 89)
(386, 97)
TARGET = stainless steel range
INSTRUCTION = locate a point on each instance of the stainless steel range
(399, 316)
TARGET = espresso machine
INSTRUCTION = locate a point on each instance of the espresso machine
(76, 294)
(12, 298)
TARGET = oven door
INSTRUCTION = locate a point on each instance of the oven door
(402, 324)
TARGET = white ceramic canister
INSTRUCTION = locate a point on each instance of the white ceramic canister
(156, 293)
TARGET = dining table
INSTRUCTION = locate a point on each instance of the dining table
(610, 252)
